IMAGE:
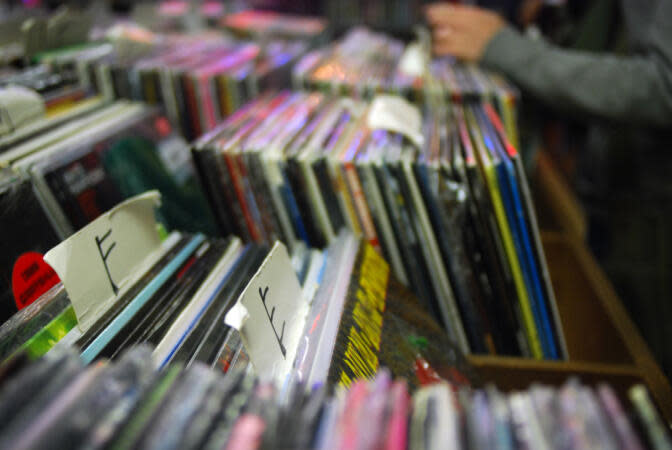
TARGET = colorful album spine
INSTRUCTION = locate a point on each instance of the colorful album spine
(260, 190)
(527, 303)
(207, 95)
(288, 198)
(204, 160)
(338, 185)
(381, 220)
(530, 318)
(514, 208)
(525, 306)
(191, 103)
(298, 187)
(237, 183)
(531, 219)
(443, 293)
(231, 194)
(471, 307)
(361, 205)
(358, 341)
(344, 198)
(250, 197)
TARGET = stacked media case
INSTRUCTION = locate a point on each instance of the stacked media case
(371, 368)
(59, 402)
(419, 393)
(52, 99)
(88, 165)
(197, 79)
(55, 182)
(453, 216)
(176, 299)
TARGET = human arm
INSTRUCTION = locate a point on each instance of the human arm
(632, 89)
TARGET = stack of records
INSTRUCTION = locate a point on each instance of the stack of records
(90, 164)
(199, 87)
(54, 184)
(364, 62)
(260, 24)
(69, 62)
(197, 79)
(357, 316)
(59, 403)
(453, 217)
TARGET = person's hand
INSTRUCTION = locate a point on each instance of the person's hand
(462, 31)
(529, 11)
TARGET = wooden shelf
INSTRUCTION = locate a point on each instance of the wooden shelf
(519, 373)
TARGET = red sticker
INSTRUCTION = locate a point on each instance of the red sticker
(162, 126)
(31, 278)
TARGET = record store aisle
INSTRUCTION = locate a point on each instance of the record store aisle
(252, 236)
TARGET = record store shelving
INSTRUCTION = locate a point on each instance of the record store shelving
(602, 343)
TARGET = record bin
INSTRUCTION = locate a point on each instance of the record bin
(602, 341)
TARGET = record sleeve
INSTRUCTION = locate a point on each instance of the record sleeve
(168, 428)
(28, 234)
(380, 323)
(123, 381)
(140, 418)
(532, 224)
(513, 206)
(24, 396)
(116, 318)
(406, 238)
(376, 205)
(443, 288)
(189, 316)
(213, 333)
(178, 244)
(507, 277)
(448, 233)
(513, 253)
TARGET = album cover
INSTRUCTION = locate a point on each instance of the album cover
(28, 235)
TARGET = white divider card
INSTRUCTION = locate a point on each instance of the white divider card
(413, 61)
(392, 113)
(270, 314)
(99, 261)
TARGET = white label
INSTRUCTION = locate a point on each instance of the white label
(395, 114)
(413, 61)
(270, 314)
(96, 263)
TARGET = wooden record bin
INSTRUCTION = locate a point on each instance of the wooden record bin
(602, 341)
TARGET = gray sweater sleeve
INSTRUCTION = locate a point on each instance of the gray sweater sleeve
(635, 89)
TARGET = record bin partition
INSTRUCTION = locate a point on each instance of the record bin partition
(603, 343)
